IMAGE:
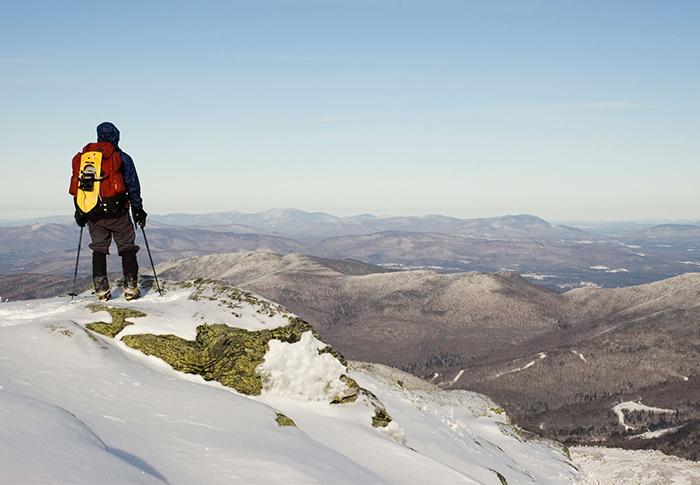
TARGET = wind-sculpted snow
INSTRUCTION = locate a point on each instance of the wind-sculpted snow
(81, 407)
(35, 432)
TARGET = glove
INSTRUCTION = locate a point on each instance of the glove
(81, 218)
(140, 217)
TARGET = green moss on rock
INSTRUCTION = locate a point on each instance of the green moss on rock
(501, 478)
(330, 350)
(351, 391)
(283, 420)
(230, 297)
(119, 322)
(220, 353)
(381, 418)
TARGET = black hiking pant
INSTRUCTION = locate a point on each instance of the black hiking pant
(103, 228)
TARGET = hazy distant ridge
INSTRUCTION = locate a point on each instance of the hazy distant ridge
(309, 225)
(557, 256)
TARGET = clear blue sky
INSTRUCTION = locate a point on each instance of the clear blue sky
(565, 109)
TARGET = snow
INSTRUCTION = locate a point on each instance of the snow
(539, 277)
(32, 424)
(77, 407)
(526, 366)
(580, 355)
(297, 371)
(654, 434)
(608, 270)
(635, 406)
(610, 466)
(457, 428)
(458, 376)
(175, 427)
(180, 317)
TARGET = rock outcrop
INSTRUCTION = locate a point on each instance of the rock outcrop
(240, 358)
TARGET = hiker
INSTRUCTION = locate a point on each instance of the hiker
(104, 185)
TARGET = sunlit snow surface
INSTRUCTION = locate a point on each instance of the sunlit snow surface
(77, 407)
(610, 466)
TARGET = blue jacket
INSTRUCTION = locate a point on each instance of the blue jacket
(107, 132)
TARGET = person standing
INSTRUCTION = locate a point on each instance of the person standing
(104, 184)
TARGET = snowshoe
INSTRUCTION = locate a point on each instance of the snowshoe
(132, 294)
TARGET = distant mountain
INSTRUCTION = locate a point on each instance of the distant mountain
(558, 362)
(555, 259)
(318, 225)
(615, 228)
(36, 238)
(288, 222)
(31, 286)
(557, 256)
(669, 232)
(522, 227)
(561, 265)
(52, 248)
(38, 220)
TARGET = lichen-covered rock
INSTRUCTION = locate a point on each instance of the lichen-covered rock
(232, 297)
(283, 420)
(119, 322)
(381, 418)
(220, 353)
(232, 356)
(350, 393)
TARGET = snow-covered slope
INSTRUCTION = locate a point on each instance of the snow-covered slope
(80, 407)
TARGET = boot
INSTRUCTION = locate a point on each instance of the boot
(130, 267)
(99, 276)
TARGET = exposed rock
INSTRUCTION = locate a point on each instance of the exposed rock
(220, 353)
(283, 420)
(119, 322)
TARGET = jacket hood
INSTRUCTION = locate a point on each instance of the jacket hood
(107, 132)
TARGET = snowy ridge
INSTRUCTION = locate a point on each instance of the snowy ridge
(86, 408)
(79, 407)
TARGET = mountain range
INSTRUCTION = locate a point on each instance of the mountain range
(556, 256)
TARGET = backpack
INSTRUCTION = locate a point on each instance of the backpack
(97, 184)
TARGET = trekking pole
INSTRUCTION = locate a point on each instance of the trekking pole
(77, 260)
(160, 292)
